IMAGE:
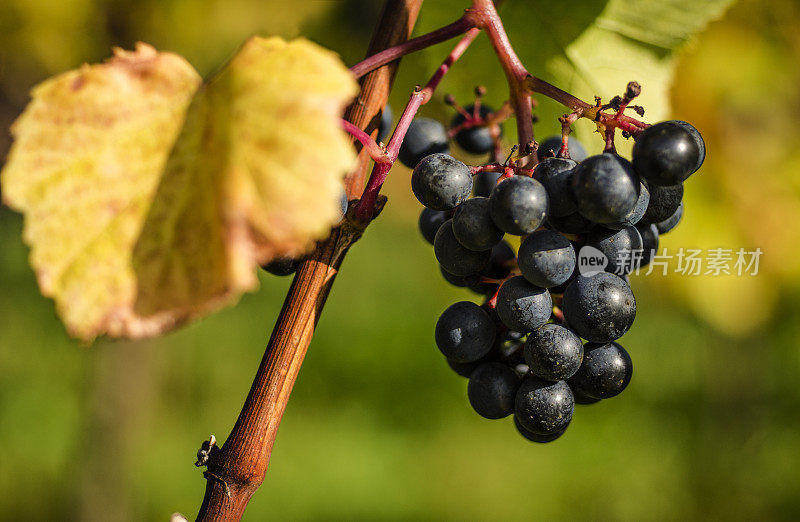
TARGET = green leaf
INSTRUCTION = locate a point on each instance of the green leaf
(150, 198)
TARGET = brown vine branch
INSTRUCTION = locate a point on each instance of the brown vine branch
(237, 470)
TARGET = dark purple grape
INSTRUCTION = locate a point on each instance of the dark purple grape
(385, 124)
(546, 258)
(455, 258)
(544, 407)
(635, 215)
(423, 138)
(605, 187)
(553, 352)
(554, 174)
(429, 222)
(622, 248)
(343, 204)
(484, 183)
(475, 140)
(666, 154)
(599, 308)
(492, 389)
(500, 262)
(518, 205)
(458, 281)
(535, 437)
(698, 139)
(649, 235)
(571, 224)
(671, 222)
(466, 369)
(282, 266)
(560, 289)
(522, 306)
(664, 201)
(465, 332)
(441, 182)
(473, 225)
(606, 371)
(580, 397)
(552, 145)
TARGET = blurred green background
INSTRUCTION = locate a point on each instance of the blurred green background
(378, 427)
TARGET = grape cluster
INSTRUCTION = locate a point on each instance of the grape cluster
(545, 337)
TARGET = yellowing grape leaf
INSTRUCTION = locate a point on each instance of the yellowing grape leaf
(256, 174)
(83, 168)
(209, 179)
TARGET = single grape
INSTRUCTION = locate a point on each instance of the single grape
(473, 225)
(649, 235)
(605, 187)
(622, 248)
(470, 282)
(671, 222)
(635, 215)
(600, 307)
(282, 266)
(466, 369)
(546, 258)
(698, 139)
(500, 262)
(522, 370)
(535, 437)
(665, 154)
(459, 281)
(475, 140)
(553, 352)
(441, 182)
(606, 371)
(554, 174)
(522, 306)
(580, 397)
(455, 258)
(544, 407)
(429, 222)
(385, 125)
(518, 205)
(465, 332)
(492, 389)
(484, 183)
(423, 138)
(664, 201)
(511, 335)
(570, 224)
(575, 273)
(343, 204)
(553, 144)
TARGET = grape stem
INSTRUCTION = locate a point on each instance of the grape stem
(376, 152)
(490, 167)
(419, 97)
(483, 15)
